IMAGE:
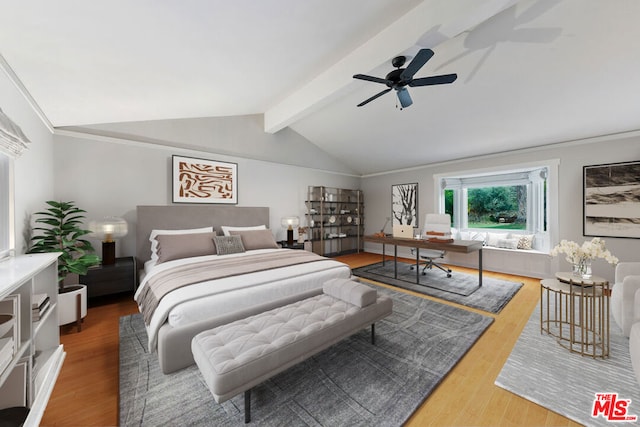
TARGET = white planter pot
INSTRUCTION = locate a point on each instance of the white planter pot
(68, 303)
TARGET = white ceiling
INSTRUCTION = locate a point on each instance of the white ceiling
(535, 73)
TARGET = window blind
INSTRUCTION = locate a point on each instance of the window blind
(12, 140)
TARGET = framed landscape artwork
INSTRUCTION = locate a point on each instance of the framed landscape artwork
(612, 200)
(204, 181)
(404, 204)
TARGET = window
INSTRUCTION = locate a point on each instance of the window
(514, 201)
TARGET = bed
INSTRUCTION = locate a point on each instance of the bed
(185, 289)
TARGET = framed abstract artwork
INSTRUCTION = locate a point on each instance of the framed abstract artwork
(204, 181)
(611, 200)
(404, 204)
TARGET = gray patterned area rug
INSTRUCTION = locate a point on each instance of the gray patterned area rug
(460, 288)
(353, 383)
(542, 371)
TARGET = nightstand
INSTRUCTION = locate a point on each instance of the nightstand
(111, 279)
(295, 245)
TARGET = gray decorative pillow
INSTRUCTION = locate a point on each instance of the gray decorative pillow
(226, 245)
(177, 246)
(256, 239)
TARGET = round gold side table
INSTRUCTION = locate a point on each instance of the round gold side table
(579, 318)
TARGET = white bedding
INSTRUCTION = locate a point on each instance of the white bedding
(192, 303)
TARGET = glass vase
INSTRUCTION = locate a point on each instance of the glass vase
(582, 268)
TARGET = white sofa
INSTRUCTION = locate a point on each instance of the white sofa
(623, 295)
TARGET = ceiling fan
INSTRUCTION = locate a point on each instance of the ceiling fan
(400, 78)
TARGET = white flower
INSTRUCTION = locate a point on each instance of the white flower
(588, 251)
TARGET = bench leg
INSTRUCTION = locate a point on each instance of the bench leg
(247, 406)
(373, 333)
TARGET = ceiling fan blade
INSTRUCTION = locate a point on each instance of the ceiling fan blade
(377, 95)
(370, 78)
(404, 97)
(434, 80)
(416, 63)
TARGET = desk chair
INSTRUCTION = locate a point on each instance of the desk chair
(440, 223)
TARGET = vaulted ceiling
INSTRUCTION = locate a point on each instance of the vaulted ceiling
(530, 72)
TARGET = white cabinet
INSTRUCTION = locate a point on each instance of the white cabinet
(37, 355)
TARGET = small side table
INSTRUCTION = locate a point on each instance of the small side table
(306, 245)
(580, 317)
(111, 279)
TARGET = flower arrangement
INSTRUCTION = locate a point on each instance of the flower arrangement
(580, 256)
(589, 250)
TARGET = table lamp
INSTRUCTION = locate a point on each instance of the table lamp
(290, 222)
(108, 229)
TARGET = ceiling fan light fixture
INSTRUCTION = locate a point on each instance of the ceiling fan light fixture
(404, 97)
(399, 78)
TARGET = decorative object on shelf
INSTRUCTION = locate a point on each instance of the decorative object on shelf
(289, 222)
(204, 181)
(404, 204)
(581, 256)
(108, 229)
(64, 233)
(302, 233)
(611, 200)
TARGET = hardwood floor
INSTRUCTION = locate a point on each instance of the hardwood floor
(87, 389)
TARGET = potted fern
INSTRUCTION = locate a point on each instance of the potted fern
(62, 231)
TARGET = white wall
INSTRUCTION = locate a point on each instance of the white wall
(573, 156)
(109, 177)
(239, 136)
(33, 171)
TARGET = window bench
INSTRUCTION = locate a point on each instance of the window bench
(522, 262)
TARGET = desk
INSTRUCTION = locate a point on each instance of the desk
(463, 246)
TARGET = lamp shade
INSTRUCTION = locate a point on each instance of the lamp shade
(290, 222)
(108, 228)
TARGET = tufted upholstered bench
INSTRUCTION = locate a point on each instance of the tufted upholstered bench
(235, 357)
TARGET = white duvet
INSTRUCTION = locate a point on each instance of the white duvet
(200, 301)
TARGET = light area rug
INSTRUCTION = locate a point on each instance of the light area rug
(460, 288)
(540, 370)
(353, 383)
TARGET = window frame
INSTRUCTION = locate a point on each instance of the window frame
(538, 196)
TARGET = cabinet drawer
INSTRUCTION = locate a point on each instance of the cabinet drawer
(110, 279)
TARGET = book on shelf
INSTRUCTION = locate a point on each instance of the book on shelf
(37, 313)
(39, 300)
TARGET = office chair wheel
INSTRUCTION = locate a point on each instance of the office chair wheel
(448, 274)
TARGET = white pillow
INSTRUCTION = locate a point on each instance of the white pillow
(508, 243)
(155, 233)
(478, 235)
(226, 228)
(493, 238)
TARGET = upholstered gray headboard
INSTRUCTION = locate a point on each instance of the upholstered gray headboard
(176, 217)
